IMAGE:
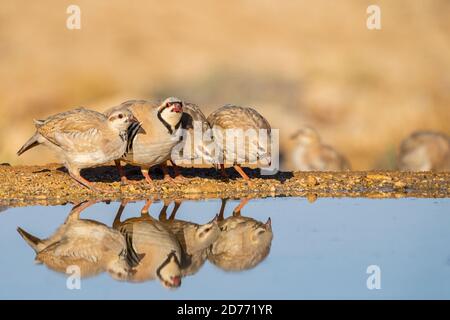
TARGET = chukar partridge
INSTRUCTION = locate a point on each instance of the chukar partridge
(153, 138)
(195, 239)
(310, 154)
(243, 242)
(88, 244)
(425, 151)
(157, 248)
(83, 138)
(230, 121)
(193, 149)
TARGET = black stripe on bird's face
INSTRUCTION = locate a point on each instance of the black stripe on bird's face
(164, 122)
(133, 130)
(170, 256)
(169, 128)
(132, 256)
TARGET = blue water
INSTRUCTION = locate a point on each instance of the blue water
(319, 250)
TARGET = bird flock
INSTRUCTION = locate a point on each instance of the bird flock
(148, 134)
(144, 248)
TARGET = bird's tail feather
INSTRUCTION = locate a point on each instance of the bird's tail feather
(33, 241)
(31, 143)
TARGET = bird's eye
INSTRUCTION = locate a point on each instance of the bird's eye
(120, 116)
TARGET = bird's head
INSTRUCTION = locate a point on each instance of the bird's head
(171, 111)
(169, 272)
(121, 119)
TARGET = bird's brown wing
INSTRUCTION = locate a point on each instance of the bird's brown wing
(70, 251)
(74, 129)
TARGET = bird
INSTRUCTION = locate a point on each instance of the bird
(425, 151)
(153, 137)
(195, 239)
(310, 154)
(243, 242)
(157, 248)
(83, 138)
(227, 123)
(196, 131)
(88, 244)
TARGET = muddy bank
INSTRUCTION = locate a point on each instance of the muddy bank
(51, 185)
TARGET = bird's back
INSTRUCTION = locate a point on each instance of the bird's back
(424, 151)
(237, 117)
(76, 120)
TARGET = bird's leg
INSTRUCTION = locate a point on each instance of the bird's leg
(85, 183)
(147, 177)
(144, 210)
(116, 222)
(78, 208)
(237, 210)
(176, 170)
(223, 173)
(163, 212)
(123, 178)
(167, 177)
(222, 210)
(175, 209)
(241, 172)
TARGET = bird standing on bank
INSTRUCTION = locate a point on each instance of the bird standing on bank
(311, 155)
(83, 138)
(232, 121)
(193, 149)
(154, 136)
(425, 151)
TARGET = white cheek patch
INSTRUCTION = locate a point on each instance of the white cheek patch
(172, 118)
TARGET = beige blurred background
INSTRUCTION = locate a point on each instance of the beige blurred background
(298, 62)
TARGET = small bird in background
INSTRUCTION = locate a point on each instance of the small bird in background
(243, 242)
(230, 119)
(195, 126)
(309, 154)
(157, 248)
(425, 151)
(195, 239)
(153, 137)
(83, 138)
(88, 244)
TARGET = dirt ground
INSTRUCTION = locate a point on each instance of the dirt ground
(51, 185)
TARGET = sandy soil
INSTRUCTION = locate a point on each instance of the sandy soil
(51, 185)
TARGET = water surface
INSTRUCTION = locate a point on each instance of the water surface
(319, 250)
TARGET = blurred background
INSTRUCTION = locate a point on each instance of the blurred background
(298, 62)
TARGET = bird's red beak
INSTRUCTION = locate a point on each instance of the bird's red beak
(176, 281)
(176, 107)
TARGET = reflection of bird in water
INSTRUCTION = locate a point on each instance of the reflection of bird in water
(311, 155)
(256, 149)
(243, 242)
(425, 151)
(194, 238)
(157, 248)
(88, 244)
